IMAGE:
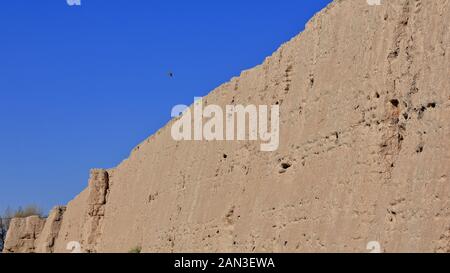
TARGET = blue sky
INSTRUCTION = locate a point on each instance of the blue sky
(81, 86)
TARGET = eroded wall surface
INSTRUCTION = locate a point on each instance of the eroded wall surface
(364, 96)
(22, 234)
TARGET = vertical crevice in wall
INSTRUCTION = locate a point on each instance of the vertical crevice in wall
(402, 85)
(98, 195)
(46, 241)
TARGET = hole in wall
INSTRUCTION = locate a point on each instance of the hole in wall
(431, 105)
(421, 112)
(284, 167)
(419, 149)
(394, 102)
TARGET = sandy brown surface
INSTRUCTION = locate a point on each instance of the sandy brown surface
(364, 95)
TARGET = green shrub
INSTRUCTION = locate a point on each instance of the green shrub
(137, 249)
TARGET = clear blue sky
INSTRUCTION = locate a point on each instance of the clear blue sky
(81, 86)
